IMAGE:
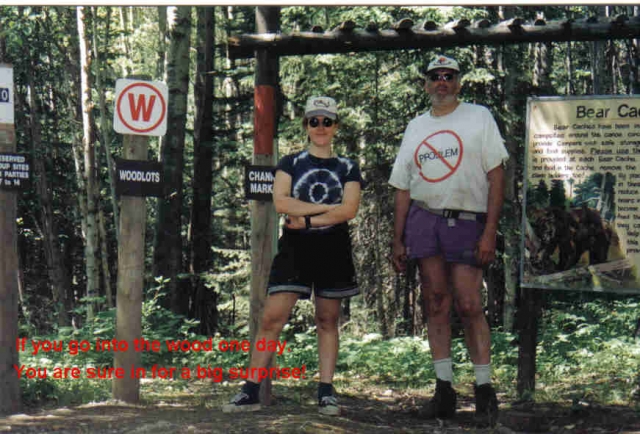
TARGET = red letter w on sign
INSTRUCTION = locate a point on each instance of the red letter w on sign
(141, 106)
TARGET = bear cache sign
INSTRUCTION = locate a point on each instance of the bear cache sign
(581, 217)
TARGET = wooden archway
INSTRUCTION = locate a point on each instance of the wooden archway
(349, 38)
(268, 44)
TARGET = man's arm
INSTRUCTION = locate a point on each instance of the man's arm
(402, 202)
(486, 251)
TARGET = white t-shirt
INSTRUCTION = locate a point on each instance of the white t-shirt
(444, 160)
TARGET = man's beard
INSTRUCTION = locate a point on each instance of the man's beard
(438, 100)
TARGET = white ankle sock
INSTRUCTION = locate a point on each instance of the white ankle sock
(483, 373)
(444, 369)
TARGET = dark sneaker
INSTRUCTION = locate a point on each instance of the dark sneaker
(486, 405)
(328, 405)
(443, 403)
(242, 402)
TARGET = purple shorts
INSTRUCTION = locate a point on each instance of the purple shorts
(427, 234)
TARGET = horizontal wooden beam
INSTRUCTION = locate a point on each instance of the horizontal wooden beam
(348, 38)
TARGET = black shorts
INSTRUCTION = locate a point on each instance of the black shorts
(321, 261)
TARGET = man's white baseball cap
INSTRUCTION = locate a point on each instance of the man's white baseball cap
(441, 61)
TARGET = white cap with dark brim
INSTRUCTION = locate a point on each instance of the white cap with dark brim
(441, 61)
(321, 106)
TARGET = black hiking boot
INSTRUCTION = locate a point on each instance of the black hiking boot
(327, 401)
(443, 403)
(247, 400)
(486, 405)
(328, 405)
(241, 402)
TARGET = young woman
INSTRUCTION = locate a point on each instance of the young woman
(318, 192)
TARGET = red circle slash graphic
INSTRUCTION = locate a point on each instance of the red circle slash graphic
(445, 158)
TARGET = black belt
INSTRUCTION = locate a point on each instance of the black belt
(454, 213)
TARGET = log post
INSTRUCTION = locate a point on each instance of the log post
(263, 216)
(133, 216)
(10, 400)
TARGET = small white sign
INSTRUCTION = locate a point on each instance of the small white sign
(6, 95)
(141, 107)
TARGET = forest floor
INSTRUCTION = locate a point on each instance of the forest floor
(194, 407)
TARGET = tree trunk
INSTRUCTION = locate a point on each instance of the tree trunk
(528, 331)
(58, 276)
(597, 58)
(105, 134)
(411, 306)
(204, 305)
(494, 274)
(381, 310)
(104, 256)
(528, 313)
(494, 279)
(105, 127)
(88, 145)
(124, 40)
(543, 59)
(512, 240)
(633, 59)
(570, 86)
(168, 237)
(70, 92)
(162, 41)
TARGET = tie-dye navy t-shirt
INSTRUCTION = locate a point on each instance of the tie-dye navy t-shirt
(319, 180)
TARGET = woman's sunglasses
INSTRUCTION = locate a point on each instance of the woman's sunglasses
(326, 122)
(441, 77)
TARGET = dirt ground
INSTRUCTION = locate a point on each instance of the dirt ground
(193, 407)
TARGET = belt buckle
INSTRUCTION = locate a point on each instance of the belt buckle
(451, 213)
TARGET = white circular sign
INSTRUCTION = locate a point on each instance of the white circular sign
(141, 108)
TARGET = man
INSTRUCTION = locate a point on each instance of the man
(449, 180)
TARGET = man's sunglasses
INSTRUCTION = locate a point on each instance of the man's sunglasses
(441, 77)
(326, 122)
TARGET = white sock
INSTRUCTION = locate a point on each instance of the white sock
(483, 373)
(444, 369)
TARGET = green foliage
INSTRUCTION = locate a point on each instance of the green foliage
(590, 344)
(403, 361)
(44, 392)
(157, 324)
(400, 360)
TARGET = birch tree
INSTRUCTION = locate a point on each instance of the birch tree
(89, 173)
